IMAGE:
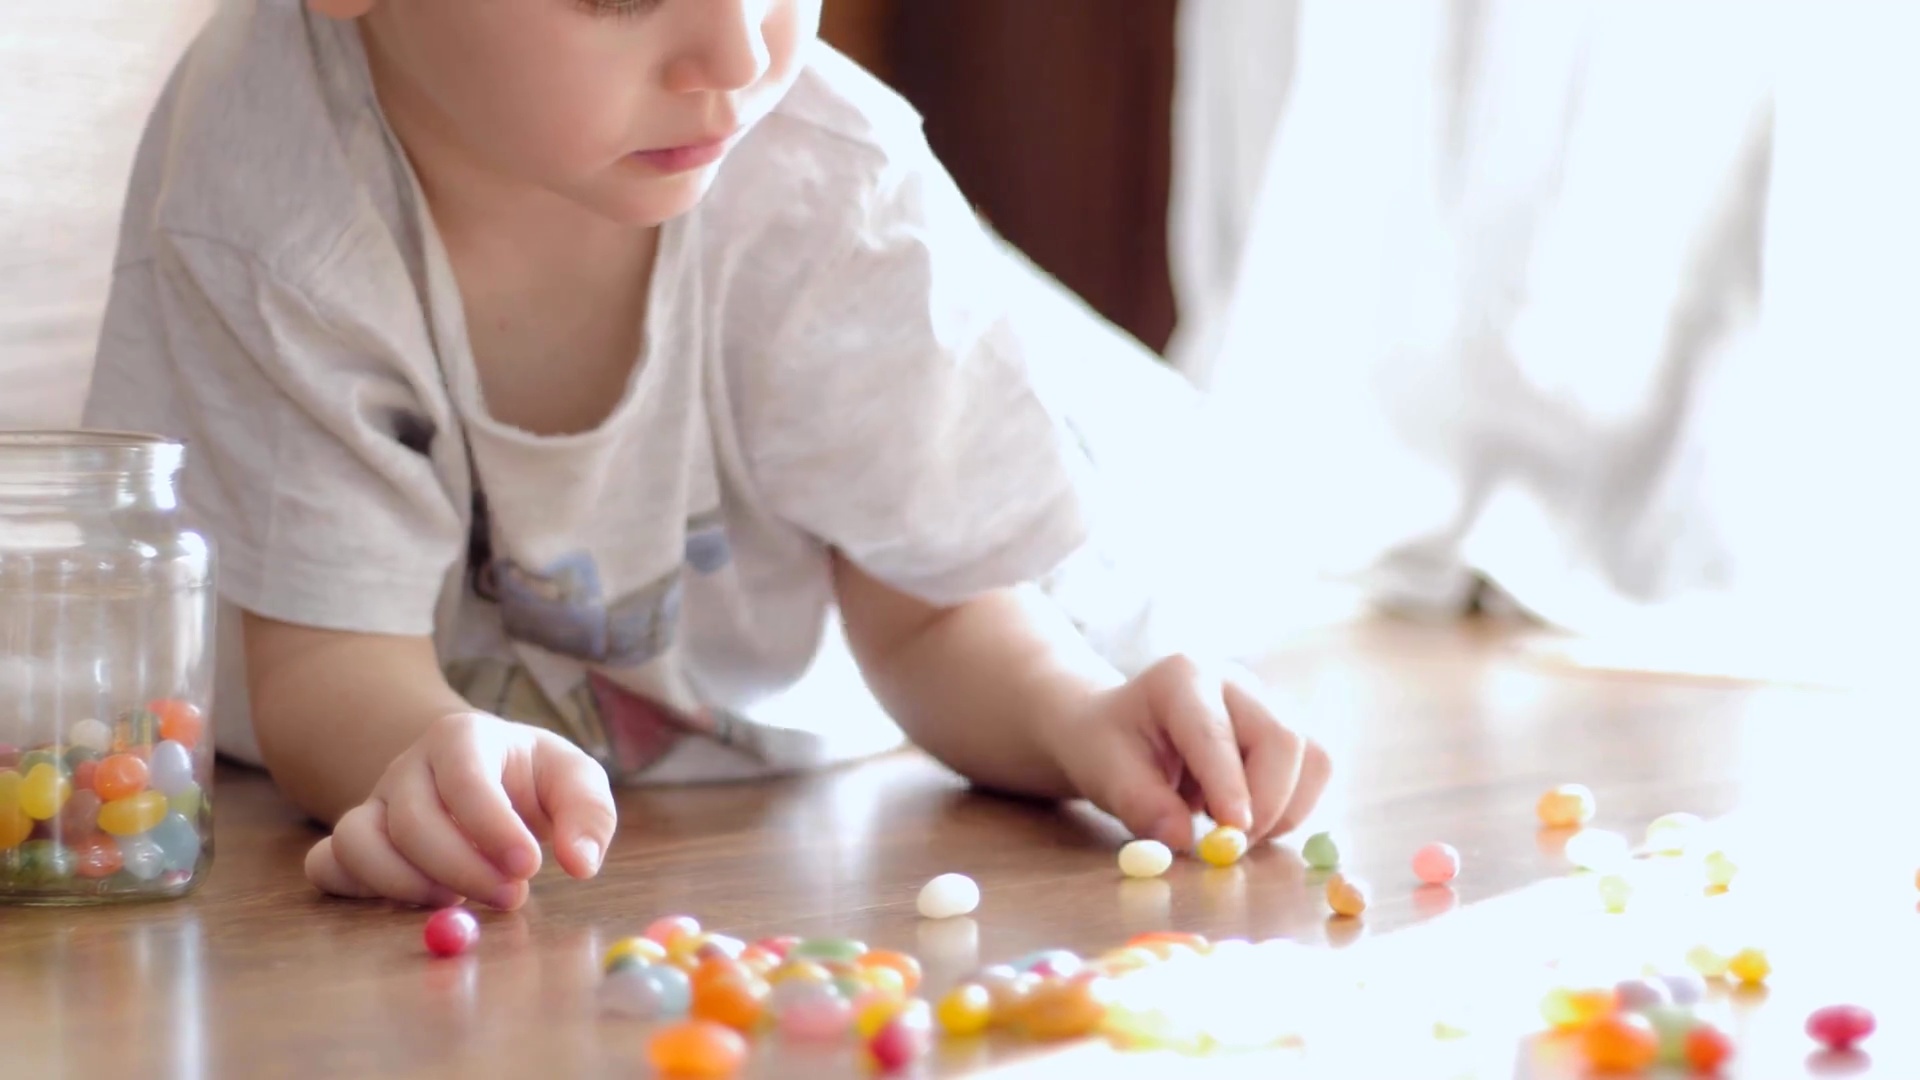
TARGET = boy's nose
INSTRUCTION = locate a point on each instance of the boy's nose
(729, 50)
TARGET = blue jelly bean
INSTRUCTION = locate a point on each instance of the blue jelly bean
(674, 988)
(179, 842)
(171, 770)
(140, 856)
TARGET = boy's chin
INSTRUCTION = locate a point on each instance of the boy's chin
(647, 201)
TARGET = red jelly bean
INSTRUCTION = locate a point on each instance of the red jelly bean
(1707, 1048)
(1838, 1027)
(96, 857)
(451, 931)
(899, 1043)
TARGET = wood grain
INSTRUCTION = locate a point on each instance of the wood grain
(1441, 733)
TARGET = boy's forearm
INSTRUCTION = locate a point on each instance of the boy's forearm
(332, 710)
(977, 686)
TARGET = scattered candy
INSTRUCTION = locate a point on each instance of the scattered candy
(650, 992)
(1573, 1010)
(736, 999)
(1671, 1026)
(1614, 893)
(821, 1015)
(1565, 807)
(1065, 1008)
(668, 930)
(1145, 859)
(1222, 847)
(697, 1048)
(1622, 1042)
(966, 1010)
(1436, 864)
(1320, 851)
(1839, 1027)
(949, 895)
(1685, 989)
(898, 963)
(1672, 834)
(1749, 966)
(844, 950)
(1598, 850)
(1708, 963)
(903, 1039)
(1707, 1048)
(1346, 896)
(1720, 870)
(635, 949)
(451, 931)
(1639, 995)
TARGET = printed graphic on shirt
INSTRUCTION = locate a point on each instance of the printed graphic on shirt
(707, 548)
(562, 609)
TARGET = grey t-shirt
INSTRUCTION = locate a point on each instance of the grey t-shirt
(838, 355)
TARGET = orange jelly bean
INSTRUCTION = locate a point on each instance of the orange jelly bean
(179, 721)
(697, 1048)
(1565, 807)
(1572, 1010)
(907, 966)
(1178, 940)
(738, 1003)
(1066, 1009)
(119, 776)
(97, 857)
(1621, 1043)
(1707, 1048)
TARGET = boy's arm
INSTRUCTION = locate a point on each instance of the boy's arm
(332, 710)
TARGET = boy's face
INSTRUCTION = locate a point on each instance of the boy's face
(626, 107)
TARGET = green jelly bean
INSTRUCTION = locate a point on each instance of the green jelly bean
(845, 950)
(1671, 1023)
(186, 802)
(1320, 851)
(45, 862)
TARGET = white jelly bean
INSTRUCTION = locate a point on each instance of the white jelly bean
(90, 734)
(1145, 859)
(949, 895)
(171, 771)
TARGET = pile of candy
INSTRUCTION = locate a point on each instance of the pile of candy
(115, 810)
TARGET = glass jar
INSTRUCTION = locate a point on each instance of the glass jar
(106, 669)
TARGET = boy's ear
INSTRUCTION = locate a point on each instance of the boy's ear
(342, 9)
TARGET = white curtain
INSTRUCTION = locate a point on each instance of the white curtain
(1612, 304)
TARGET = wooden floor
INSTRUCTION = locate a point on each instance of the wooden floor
(1441, 734)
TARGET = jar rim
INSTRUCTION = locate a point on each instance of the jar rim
(80, 451)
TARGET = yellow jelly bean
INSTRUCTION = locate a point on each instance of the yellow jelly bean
(44, 792)
(966, 1010)
(1223, 846)
(15, 826)
(1750, 966)
(1720, 870)
(642, 949)
(134, 814)
(1706, 962)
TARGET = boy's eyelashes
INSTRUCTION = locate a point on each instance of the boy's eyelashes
(618, 8)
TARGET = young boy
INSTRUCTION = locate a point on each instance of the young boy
(590, 387)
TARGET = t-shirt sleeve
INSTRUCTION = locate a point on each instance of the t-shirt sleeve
(306, 436)
(899, 416)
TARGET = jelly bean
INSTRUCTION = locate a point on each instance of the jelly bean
(1684, 989)
(1566, 806)
(719, 968)
(1346, 896)
(77, 756)
(134, 814)
(171, 768)
(738, 1003)
(15, 825)
(673, 989)
(1839, 1027)
(900, 1043)
(846, 950)
(1672, 834)
(1615, 891)
(1145, 859)
(819, 1016)
(1066, 1009)
(1671, 1025)
(141, 857)
(1708, 1048)
(451, 931)
(81, 816)
(671, 928)
(1320, 852)
(9, 756)
(96, 857)
(33, 759)
(1639, 995)
(697, 1048)
(91, 734)
(186, 802)
(1196, 943)
(119, 777)
(872, 1010)
(1224, 846)
(1598, 850)
(850, 986)
(179, 841)
(1707, 962)
(800, 970)
(948, 896)
(779, 945)
(1436, 864)
(135, 729)
(645, 950)
(885, 980)
(1720, 870)
(44, 791)
(83, 775)
(720, 945)
(761, 961)
(965, 1010)
(1623, 1042)
(1049, 963)
(636, 990)
(1572, 1010)
(45, 862)
(785, 994)
(180, 722)
(1750, 966)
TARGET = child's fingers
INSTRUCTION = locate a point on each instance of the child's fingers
(1124, 779)
(1191, 708)
(467, 772)
(359, 861)
(427, 836)
(574, 792)
(1273, 761)
(1315, 770)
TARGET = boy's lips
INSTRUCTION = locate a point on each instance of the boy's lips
(685, 158)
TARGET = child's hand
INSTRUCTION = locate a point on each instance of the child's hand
(462, 813)
(1175, 741)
